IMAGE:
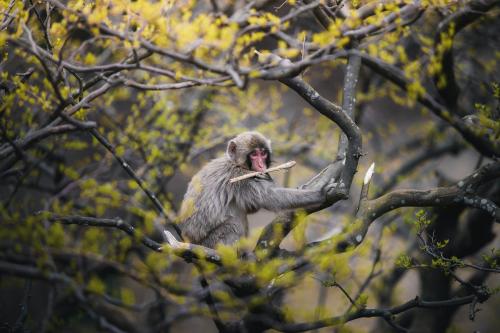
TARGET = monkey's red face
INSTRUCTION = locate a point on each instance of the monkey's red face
(258, 159)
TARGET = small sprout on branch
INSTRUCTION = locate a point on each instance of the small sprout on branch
(362, 301)
(403, 261)
(441, 245)
(422, 221)
(492, 259)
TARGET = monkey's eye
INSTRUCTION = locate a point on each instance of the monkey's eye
(258, 153)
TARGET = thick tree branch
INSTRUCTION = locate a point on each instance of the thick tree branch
(349, 97)
(462, 193)
(341, 170)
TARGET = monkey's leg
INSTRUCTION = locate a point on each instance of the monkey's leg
(227, 233)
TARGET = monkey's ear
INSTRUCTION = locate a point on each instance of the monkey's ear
(231, 150)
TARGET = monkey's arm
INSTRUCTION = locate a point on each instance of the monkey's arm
(279, 198)
(264, 194)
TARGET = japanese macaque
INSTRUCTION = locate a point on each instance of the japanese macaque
(215, 210)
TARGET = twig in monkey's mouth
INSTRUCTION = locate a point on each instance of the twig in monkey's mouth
(283, 166)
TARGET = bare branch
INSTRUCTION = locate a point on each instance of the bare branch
(369, 313)
(188, 252)
(459, 194)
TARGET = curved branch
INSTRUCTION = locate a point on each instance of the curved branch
(338, 116)
(341, 170)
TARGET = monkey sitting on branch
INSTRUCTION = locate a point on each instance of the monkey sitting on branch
(214, 209)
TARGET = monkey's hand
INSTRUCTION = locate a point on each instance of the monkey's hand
(332, 190)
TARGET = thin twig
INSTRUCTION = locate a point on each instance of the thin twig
(283, 166)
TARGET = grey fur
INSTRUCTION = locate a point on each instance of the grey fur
(215, 211)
